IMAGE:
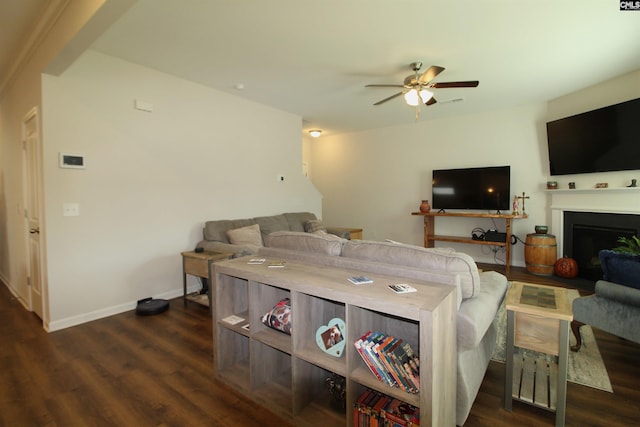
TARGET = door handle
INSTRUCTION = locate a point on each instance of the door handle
(34, 231)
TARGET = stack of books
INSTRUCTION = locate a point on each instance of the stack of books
(391, 360)
(374, 409)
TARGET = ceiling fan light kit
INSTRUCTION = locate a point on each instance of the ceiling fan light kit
(415, 86)
(413, 97)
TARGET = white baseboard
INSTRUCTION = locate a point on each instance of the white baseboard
(106, 312)
(14, 292)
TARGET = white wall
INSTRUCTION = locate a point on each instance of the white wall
(375, 179)
(21, 94)
(152, 179)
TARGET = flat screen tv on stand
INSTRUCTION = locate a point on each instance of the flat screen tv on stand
(480, 188)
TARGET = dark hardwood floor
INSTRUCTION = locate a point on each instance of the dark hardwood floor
(585, 406)
(129, 370)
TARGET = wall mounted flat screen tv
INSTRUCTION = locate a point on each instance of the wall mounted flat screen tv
(602, 140)
(485, 188)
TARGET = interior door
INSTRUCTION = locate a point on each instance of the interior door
(32, 210)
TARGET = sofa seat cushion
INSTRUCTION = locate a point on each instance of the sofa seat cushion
(446, 260)
(476, 315)
(326, 244)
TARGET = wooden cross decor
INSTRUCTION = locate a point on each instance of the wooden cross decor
(523, 197)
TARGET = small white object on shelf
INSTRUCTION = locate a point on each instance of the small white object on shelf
(402, 288)
(276, 264)
(360, 280)
(233, 319)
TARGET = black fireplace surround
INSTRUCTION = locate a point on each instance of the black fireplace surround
(586, 233)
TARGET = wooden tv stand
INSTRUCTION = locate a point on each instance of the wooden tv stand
(430, 237)
(287, 373)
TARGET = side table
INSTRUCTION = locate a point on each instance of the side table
(199, 264)
(355, 233)
(538, 319)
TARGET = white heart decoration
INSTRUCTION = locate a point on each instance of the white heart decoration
(330, 337)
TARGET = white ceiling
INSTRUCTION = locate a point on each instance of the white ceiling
(313, 59)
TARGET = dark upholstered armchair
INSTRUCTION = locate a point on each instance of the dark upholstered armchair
(615, 306)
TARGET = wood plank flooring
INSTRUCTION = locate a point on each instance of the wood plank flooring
(129, 370)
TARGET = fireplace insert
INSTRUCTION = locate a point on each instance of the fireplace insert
(587, 233)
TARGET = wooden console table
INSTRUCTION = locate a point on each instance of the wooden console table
(430, 237)
(287, 373)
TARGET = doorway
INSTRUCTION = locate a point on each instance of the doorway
(32, 170)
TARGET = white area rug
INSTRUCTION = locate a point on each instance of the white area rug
(585, 366)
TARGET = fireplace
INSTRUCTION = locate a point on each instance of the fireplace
(586, 233)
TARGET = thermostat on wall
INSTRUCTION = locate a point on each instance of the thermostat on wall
(74, 161)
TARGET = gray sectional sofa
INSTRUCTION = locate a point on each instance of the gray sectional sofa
(218, 235)
(479, 293)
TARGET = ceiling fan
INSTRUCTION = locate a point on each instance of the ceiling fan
(415, 87)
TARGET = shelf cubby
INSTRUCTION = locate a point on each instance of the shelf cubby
(231, 297)
(262, 298)
(271, 376)
(317, 312)
(232, 358)
(312, 400)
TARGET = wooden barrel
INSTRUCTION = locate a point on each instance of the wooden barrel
(540, 254)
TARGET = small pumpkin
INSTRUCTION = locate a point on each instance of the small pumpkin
(566, 267)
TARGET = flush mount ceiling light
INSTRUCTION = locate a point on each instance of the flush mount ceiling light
(315, 133)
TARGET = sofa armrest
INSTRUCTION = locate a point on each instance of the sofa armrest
(237, 250)
(620, 293)
(340, 232)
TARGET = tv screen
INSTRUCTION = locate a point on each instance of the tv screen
(486, 188)
(602, 140)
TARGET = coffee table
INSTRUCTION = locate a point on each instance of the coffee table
(538, 319)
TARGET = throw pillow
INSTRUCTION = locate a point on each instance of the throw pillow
(314, 225)
(249, 235)
(279, 317)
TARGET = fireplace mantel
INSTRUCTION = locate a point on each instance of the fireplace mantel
(622, 200)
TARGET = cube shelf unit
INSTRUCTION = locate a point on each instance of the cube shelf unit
(287, 373)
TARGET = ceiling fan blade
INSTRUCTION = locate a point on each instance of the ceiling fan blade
(431, 101)
(443, 85)
(389, 98)
(384, 86)
(430, 74)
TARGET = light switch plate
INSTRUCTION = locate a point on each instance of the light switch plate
(70, 209)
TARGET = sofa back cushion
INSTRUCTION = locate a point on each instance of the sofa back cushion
(326, 244)
(217, 230)
(623, 269)
(445, 260)
(269, 224)
(296, 220)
